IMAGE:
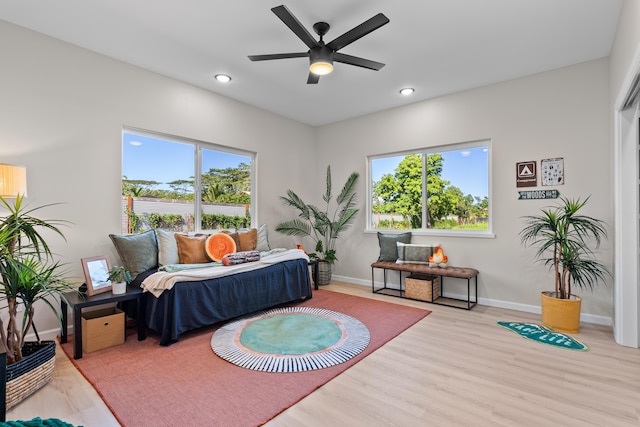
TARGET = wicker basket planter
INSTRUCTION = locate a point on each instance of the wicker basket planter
(324, 273)
(31, 373)
(422, 287)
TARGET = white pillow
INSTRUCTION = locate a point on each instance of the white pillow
(263, 239)
(167, 247)
(411, 253)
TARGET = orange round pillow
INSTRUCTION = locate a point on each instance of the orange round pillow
(218, 245)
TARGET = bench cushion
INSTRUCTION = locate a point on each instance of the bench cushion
(458, 272)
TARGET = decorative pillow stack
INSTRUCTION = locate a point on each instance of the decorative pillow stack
(154, 248)
(399, 249)
(184, 248)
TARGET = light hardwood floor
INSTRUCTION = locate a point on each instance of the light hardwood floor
(454, 367)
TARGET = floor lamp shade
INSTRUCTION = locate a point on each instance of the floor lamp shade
(13, 181)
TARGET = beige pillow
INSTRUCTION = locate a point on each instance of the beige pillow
(191, 249)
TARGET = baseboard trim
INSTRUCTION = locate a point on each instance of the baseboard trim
(584, 317)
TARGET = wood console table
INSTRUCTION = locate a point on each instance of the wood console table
(453, 272)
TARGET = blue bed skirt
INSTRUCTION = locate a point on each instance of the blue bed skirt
(191, 305)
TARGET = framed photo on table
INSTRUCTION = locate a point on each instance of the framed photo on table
(96, 274)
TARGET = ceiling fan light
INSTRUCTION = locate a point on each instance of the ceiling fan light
(321, 67)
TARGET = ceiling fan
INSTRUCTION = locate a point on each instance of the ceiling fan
(321, 55)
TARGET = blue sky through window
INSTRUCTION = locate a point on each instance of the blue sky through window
(466, 169)
(155, 159)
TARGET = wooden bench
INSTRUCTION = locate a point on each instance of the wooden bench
(453, 272)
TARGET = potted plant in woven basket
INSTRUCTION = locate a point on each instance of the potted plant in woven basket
(28, 276)
(563, 237)
(323, 225)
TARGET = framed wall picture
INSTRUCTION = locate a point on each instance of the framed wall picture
(552, 171)
(96, 274)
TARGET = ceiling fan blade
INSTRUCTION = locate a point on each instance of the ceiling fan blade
(313, 79)
(278, 56)
(358, 62)
(361, 30)
(292, 22)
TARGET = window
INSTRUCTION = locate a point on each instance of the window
(183, 185)
(436, 188)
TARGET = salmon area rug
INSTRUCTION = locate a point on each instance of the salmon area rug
(186, 383)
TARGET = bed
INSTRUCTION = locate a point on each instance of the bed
(191, 297)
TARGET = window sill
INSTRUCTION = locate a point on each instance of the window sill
(438, 233)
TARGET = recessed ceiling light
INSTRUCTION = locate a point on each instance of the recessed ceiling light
(223, 78)
(407, 91)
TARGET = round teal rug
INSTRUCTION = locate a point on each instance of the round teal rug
(291, 339)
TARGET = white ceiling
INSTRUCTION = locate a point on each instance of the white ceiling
(435, 46)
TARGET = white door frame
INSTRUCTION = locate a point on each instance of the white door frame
(626, 214)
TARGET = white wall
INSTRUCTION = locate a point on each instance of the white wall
(62, 109)
(625, 45)
(561, 113)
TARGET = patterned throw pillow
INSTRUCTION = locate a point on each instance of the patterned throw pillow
(414, 253)
(388, 245)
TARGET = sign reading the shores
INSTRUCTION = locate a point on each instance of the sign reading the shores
(538, 194)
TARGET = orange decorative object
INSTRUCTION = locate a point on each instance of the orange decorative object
(218, 245)
(438, 259)
(301, 248)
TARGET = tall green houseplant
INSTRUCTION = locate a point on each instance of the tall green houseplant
(322, 224)
(563, 237)
(27, 272)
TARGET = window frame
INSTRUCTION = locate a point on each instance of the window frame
(424, 151)
(199, 146)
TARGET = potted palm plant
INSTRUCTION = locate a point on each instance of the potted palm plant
(28, 275)
(563, 237)
(323, 225)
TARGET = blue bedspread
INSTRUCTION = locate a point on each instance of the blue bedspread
(191, 305)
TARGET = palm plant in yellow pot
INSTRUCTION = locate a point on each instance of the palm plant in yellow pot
(563, 237)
